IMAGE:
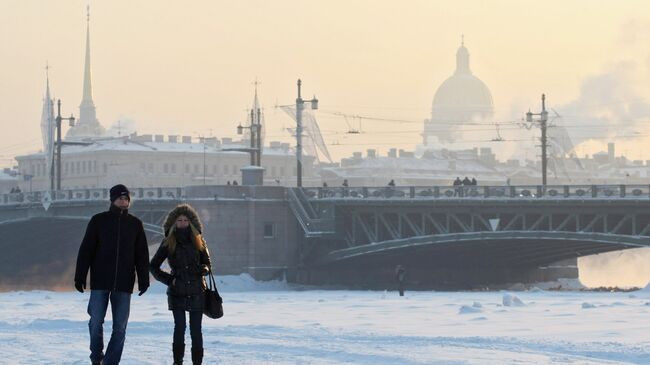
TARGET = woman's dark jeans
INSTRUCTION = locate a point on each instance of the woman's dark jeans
(195, 327)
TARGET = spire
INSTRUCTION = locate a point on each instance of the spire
(462, 58)
(87, 99)
(87, 126)
(256, 104)
(47, 121)
(47, 81)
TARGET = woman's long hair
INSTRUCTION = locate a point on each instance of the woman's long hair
(197, 239)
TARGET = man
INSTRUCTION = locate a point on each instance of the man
(400, 276)
(114, 248)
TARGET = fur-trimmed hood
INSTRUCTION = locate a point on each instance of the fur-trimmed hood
(186, 210)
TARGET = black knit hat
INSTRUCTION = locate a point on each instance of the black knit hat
(118, 191)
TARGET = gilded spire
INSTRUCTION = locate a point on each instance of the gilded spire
(87, 99)
(88, 125)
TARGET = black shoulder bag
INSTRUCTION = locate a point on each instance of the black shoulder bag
(213, 307)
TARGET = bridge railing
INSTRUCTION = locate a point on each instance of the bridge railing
(482, 192)
(87, 195)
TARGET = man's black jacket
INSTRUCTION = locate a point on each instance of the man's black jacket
(114, 248)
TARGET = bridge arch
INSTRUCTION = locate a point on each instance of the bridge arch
(517, 248)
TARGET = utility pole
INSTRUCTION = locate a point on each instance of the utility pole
(204, 167)
(300, 104)
(258, 135)
(543, 118)
(59, 143)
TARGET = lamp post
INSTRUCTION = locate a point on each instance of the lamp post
(543, 118)
(59, 143)
(255, 149)
(300, 104)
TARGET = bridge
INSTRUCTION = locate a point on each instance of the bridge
(452, 235)
(492, 231)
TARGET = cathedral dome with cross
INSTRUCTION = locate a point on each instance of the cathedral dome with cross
(461, 99)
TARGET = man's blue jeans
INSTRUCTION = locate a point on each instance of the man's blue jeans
(120, 308)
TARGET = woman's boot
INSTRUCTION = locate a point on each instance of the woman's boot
(179, 351)
(197, 355)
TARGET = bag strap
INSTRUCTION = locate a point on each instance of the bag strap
(212, 284)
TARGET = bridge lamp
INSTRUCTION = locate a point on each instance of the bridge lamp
(529, 117)
(240, 129)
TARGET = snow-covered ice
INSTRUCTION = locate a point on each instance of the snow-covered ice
(272, 323)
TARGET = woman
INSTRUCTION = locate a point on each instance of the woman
(189, 260)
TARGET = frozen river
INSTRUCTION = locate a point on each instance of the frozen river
(275, 324)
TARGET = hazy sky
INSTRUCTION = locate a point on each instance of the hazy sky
(188, 67)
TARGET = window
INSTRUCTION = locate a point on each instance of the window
(83, 167)
(269, 230)
(273, 171)
(173, 168)
(281, 170)
(165, 168)
(196, 169)
(143, 167)
(150, 168)
(187, 168)
(225, 169)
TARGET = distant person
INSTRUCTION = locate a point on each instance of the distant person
(228, 183)
(12, 191)
(324, 184)
(189, 261)
(345, 185)
(467, 181)
(114, 248)
(474, 182)
(391, 183)
(508, 181)
(234, 182)
(457, 184)
(400, 276)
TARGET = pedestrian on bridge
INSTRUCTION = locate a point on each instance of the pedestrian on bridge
(114, 249)
(189, 260)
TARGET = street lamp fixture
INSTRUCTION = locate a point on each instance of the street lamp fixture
(300, 104)
(543, 118)
(59, 144)
(255, 148)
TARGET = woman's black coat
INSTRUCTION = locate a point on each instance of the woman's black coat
(186, 283)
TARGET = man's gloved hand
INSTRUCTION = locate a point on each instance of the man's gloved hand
(80, 286)
(142, 290)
